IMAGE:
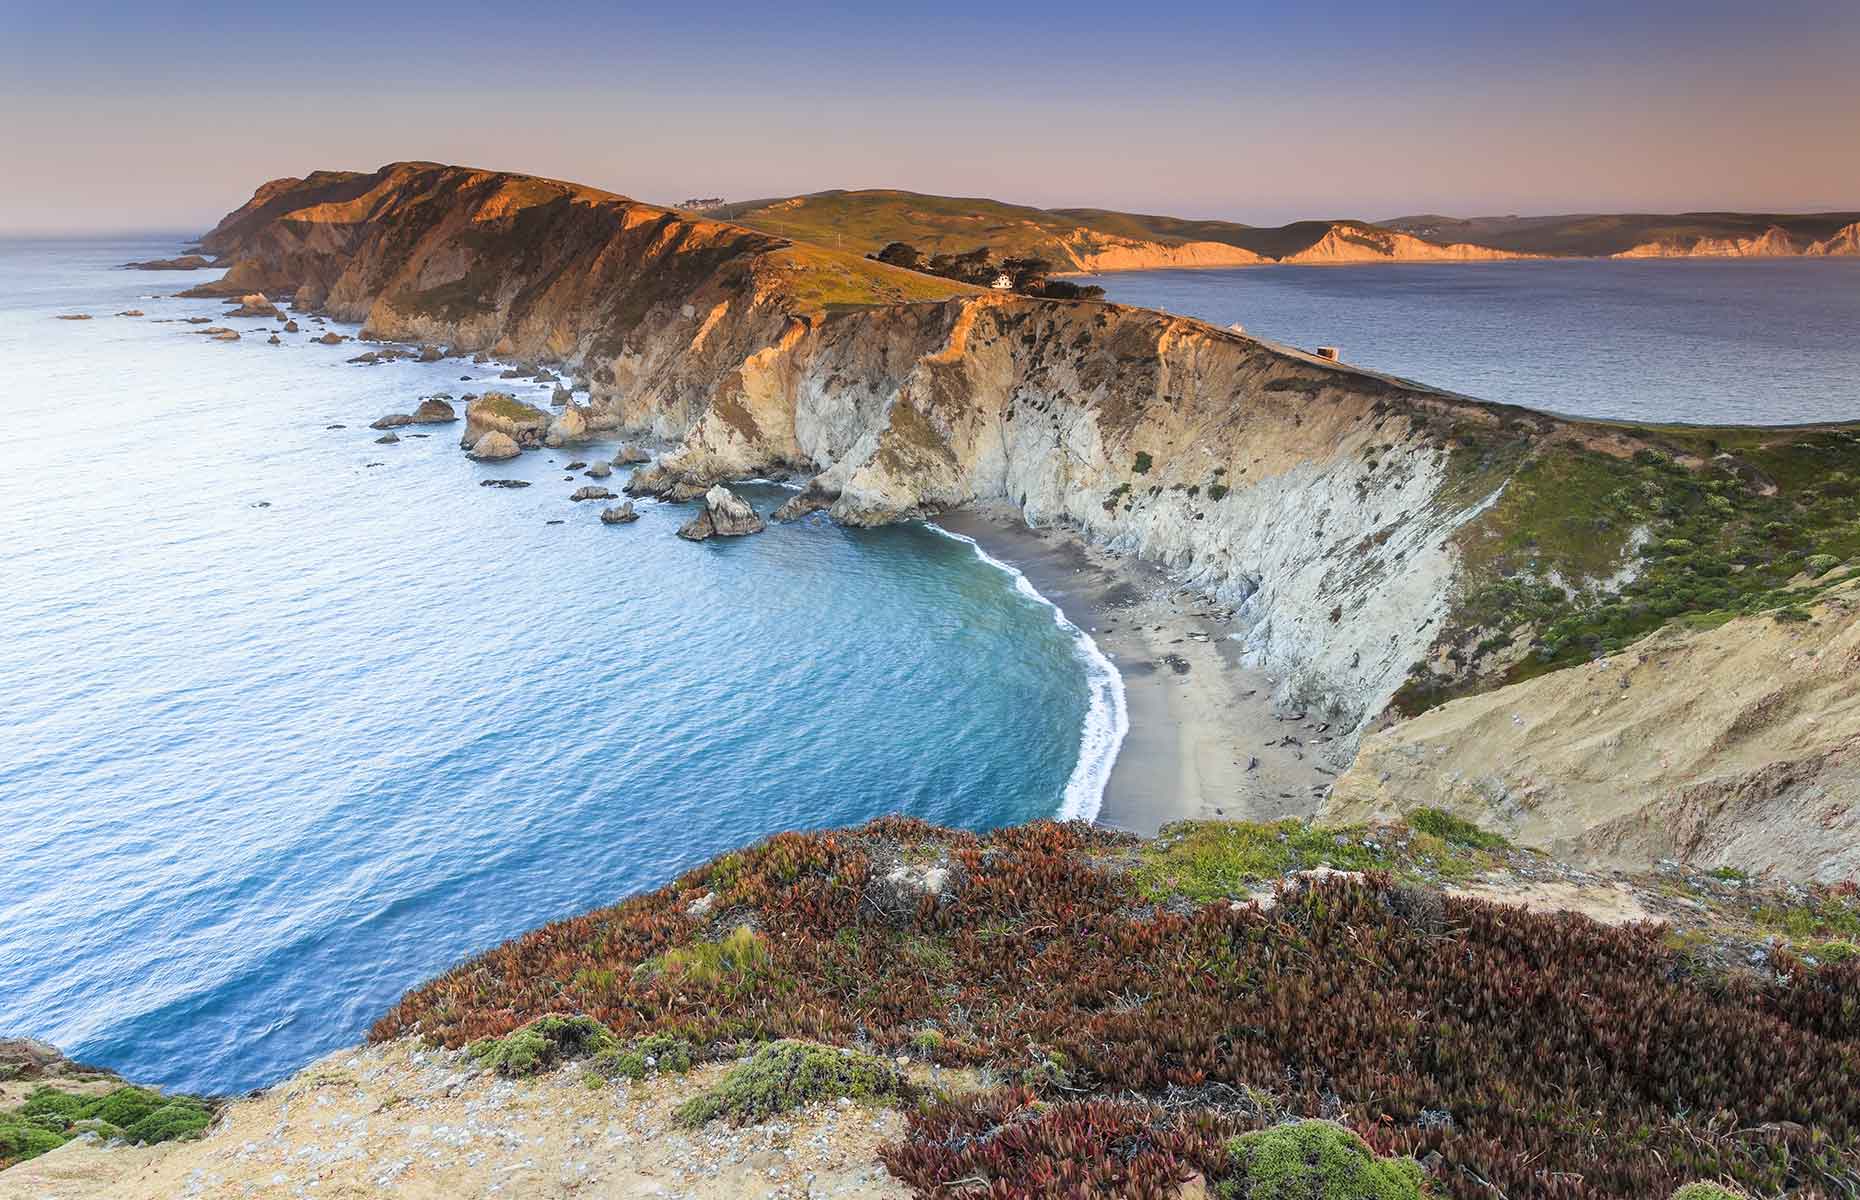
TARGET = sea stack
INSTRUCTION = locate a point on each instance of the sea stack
(725, 514)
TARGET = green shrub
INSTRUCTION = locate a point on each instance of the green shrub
(177, 1119)
(1316, 1160)
(662, 1052)
(542, 1045)
(21, 1139)
(1820, 564)
(49, 1101)
(1708, 1191)
(783, 1076)
(125, 1106)
(1456, 830)
(1142, 464)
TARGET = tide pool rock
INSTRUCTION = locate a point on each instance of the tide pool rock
(495, 446)
(500, 412)
(725, 514)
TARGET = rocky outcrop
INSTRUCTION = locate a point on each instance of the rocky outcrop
(434, 410)
(500, 412)
(1348, 242)
(494, 446)
(573, 424)
(1736, 746)
(255, 304)
(1845, 243)
(1774, 242)
(629, 454)
(725, 514)
(186, 262)
(619, 514)
(591, 493)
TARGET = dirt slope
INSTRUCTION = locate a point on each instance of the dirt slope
(1736, 746)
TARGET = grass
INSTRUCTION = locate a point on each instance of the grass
(1212, 860)
(737, 959)
(833, 282)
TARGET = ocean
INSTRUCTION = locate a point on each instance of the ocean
(296, 720)
(1700, 341)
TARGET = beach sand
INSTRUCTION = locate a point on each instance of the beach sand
(1205, 739)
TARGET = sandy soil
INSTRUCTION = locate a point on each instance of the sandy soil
(397, 1120)
(1204, 739)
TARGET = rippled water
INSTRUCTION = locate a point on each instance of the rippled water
(1760, 341)
(264, 768)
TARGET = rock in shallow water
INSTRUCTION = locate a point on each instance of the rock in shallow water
(592, 493)
(599, 471)
(725, 514)
(619, 514)
(504, 483)
(494, 446)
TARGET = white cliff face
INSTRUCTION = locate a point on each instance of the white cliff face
(1281, 485)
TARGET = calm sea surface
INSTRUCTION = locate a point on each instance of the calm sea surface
(294, 720)
(1761, 341)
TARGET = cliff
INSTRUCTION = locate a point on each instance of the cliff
(1384, 542)
(1648, 235)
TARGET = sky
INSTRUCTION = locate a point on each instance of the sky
(165, 117)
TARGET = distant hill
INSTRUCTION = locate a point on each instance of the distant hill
(1076, 239)
(1639, 235)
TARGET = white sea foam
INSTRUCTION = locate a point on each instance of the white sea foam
(1107, 718)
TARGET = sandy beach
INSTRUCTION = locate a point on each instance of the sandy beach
(1204, 739)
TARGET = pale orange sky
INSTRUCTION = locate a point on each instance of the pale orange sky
(1249, 113)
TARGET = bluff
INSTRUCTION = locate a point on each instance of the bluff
(1388, 546)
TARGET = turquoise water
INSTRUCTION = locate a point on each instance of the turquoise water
(1756, 341)
(264, 768)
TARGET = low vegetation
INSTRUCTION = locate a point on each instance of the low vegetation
(1132, 1016)
(50, 1117)
(1584, 552)
(786, 1075)
(1029, 276)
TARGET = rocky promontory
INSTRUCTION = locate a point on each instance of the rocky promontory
(1386, 548)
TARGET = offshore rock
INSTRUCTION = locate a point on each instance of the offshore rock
(434, 411)
(591, 493)
(500, 412)
(494, 446)
(255, 304)
(725, 514)
(619, 514)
